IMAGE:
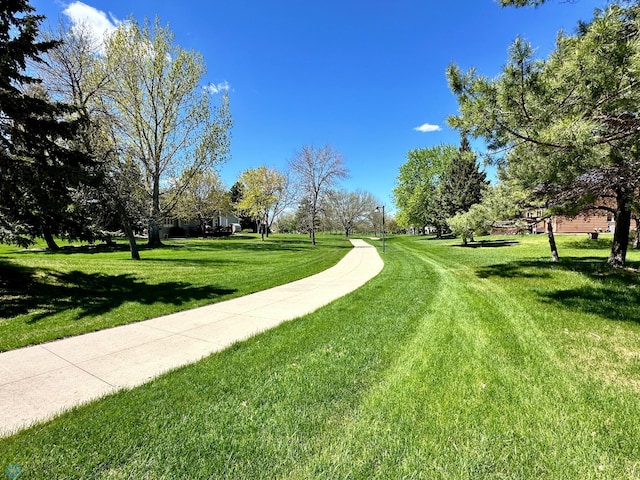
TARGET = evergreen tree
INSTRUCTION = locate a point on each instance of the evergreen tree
(417, 190)
(39, 165)
(570, 123)
(462, 184)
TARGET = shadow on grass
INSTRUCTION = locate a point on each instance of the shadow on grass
(42, 292)
(489, 244)
(587, 244)
(247, 242)
(614, 294)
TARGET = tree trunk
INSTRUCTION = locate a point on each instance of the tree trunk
(51, 243)
(636, 241)
(618, 255)
(154, 235)
(552, 242)
(154, 229)
(133, 246)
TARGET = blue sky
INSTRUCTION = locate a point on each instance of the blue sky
(359, 75)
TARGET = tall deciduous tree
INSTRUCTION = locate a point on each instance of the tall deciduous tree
(317, 170)
(417, 190)
(40, 164)
(71, 72)
(166, 119)
(572, 120)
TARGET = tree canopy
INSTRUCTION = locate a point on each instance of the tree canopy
(266, 192)
(463, 183)
(40, 163)
(417, 191)
(166, 121)
(570, 123)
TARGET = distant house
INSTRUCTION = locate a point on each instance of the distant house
(218, 226)
(595, 221)
(588, 223)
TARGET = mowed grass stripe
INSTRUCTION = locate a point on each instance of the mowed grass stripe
(479, 393)
(437, 368)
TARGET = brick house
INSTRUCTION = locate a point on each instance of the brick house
(595, 222)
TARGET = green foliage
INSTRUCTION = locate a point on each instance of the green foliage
(475, 221)
(204, 198)
(40, 164)
(265, 193)
(154, 86)
(571, 121)
(416, 193)
(462, 184)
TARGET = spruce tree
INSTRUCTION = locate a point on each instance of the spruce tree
(462, 184)
(39, 165)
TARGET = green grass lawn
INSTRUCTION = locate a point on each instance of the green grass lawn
(453, 363)
(46, 295)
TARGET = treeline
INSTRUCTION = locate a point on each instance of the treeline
(116, 134)
(564, 132)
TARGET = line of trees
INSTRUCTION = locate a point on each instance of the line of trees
(563, 131)
(103, 134)
(566, 129)
(305, 197)
(118, 134)
(438, 183)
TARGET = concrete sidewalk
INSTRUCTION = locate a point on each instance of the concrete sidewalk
(39, 382)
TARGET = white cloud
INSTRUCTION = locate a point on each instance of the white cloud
(98, 22)
(427, 127)
(218, 87)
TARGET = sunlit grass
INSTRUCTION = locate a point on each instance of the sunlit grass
(453, 363)
(45, 295)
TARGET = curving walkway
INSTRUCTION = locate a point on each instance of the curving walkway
(41, 381)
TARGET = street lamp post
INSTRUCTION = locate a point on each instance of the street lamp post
(383, 230)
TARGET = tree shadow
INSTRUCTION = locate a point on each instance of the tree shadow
(489, 244)
(94, 248)
(251, 242)
(588, 244)
(43, 292)
(514, 270)
(620, 304)
(614, 294)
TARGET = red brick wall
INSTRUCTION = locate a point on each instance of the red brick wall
(581, 224)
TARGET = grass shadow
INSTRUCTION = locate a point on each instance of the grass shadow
(42, 292)
(588, 244)
(489, 244)
(614, 294)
